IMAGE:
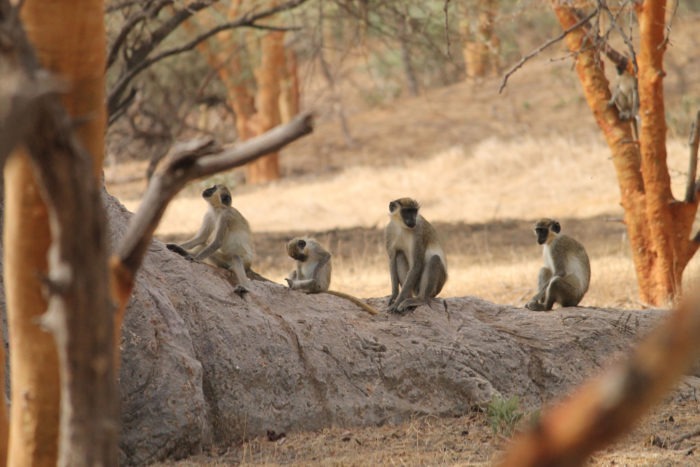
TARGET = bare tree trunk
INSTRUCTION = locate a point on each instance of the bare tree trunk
(69, 37)
(659, 226)
(268, 77)
(289, 92)
(481, 46)
(34, 413)
(336, 98)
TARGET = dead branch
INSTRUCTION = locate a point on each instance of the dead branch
(139, 62)
(196, 162)
(693, 143)
(621, 61)
(541, 48)
(608, 405)
(22, 101)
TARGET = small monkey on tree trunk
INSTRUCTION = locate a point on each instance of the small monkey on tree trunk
(625, 96)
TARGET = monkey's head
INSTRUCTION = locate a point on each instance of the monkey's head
(296, 248)
(546, 229)
(217, 196)
(404, 210)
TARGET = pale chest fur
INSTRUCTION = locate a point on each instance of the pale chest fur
(306, 270)
(572, 266)
(403, 241)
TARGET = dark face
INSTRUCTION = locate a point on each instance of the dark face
(223, 194)
(298, 252)
(408, 215)
(542, 233)
(208, 192)
(543, 227)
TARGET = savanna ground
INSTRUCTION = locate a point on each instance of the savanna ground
(483, 166)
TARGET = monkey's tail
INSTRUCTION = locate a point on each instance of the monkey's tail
(368, 308)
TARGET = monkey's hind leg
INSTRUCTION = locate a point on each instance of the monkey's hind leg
(537, 303)
(563, 291)
(431, 283)
(304, 285)
(237, 267)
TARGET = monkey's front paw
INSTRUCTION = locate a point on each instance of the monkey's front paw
(175, 248)
(534, 306)
(289, 282)
(240, 290)
(401, 308)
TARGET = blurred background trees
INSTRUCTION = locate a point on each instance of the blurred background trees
(233, 69)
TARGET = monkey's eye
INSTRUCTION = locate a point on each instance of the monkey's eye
(301, 244)
(209, 191)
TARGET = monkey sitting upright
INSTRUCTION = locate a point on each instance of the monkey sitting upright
(224, 238)
(566, 273)
(313, 270)
(416, 260)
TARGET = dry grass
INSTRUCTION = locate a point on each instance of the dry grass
(523, 179)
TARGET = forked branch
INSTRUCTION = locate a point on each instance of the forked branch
(187, 164)
(538, 50)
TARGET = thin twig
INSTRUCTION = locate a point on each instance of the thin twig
(693, 143)
(667, 35)
(445, 9)
(684, 437)
(247, 20)
(542, 47)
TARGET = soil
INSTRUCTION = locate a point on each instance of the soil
(399, 137)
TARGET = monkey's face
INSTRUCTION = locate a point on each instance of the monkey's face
(296, 248)
(406, 209)
(217, 195)
(546, 229)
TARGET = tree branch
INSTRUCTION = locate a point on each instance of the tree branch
(608, 405)
(693, 143)
(135, 67)
(189, 164)
(537, 51)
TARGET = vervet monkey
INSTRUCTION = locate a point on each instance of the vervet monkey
(313, 270)
(224, 238)
(625, 96)
(416, 260)
(566, 273)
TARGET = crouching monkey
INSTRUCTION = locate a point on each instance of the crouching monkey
(313, 270)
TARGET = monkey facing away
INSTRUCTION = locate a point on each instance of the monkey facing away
(416, 260)
(625, 96)
(224, 238)
(313, 270)
(566, 274)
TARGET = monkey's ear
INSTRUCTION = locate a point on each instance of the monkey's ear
(392, 206)
(226, 199)
(556, 228)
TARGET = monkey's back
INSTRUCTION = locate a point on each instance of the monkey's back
(576, 261)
